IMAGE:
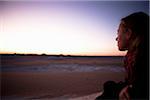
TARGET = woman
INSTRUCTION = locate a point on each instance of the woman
(133, 36)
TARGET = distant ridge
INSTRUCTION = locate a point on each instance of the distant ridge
(60, 55)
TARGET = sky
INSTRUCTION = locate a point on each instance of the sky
(64, 27)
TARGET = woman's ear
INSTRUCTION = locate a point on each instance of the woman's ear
(129, 33)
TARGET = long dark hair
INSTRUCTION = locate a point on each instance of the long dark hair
(137, 58)
(138, 51)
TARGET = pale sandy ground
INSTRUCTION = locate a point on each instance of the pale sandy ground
(45, 85)
(88, 97)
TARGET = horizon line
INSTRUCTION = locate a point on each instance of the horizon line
(44, 54)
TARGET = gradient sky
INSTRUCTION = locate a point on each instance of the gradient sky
(67, 27)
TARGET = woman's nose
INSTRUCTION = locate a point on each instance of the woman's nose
(116, 38)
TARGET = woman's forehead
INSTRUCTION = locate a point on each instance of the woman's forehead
(122, 25)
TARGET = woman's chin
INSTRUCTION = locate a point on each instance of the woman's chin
(122, 49)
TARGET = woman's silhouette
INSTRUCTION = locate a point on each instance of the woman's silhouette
(133, 36)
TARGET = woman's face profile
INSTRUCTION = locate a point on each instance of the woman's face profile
(122, 38)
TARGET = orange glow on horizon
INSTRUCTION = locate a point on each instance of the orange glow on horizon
(79, 53)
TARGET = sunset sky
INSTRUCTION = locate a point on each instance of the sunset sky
(66, 27)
